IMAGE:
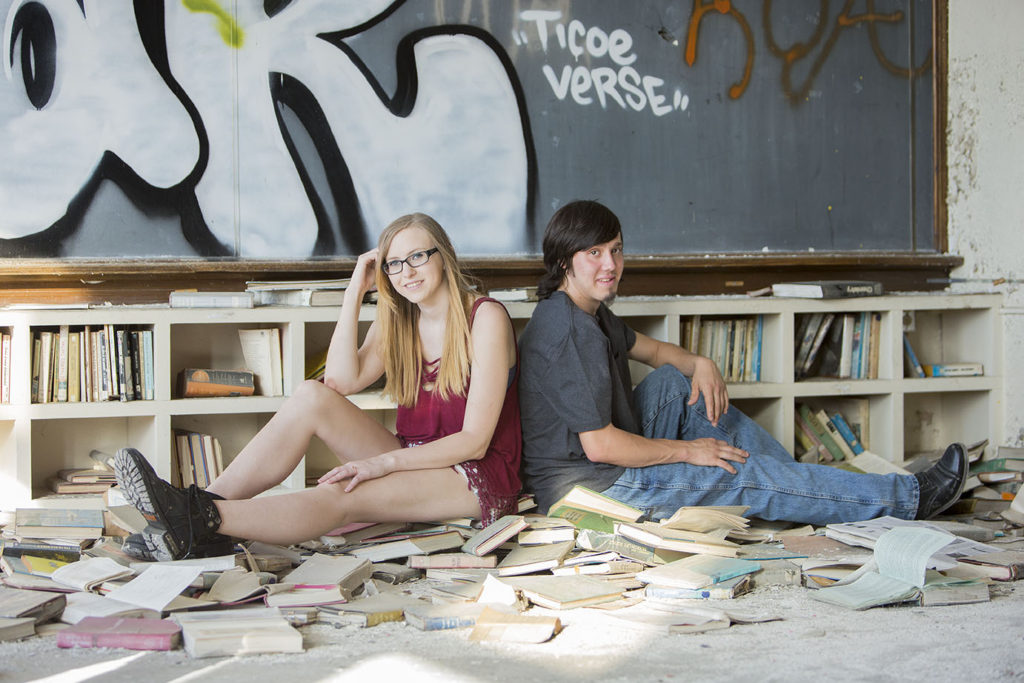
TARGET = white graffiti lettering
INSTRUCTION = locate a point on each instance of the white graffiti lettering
(624, 86)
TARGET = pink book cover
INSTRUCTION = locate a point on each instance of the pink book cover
(123, 632)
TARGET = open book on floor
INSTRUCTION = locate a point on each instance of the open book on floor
(896, 573)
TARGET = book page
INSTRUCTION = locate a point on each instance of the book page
(904, 552)
(89, 572)
(156, 586)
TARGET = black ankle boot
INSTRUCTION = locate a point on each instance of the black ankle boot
(182, 522)
(941, 484)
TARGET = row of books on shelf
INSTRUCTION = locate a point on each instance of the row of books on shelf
(92, 363)
(734, 344)
(842, 345)
(200, 459)
(913, 367)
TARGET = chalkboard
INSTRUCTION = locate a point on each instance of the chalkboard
(297, 130)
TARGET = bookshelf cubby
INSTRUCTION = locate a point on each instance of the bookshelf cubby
(906, 414)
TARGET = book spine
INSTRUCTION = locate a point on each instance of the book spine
(36, 359)
(5, 368)
(132, 337)
(443, 623)
(874, 345)
(847, 434)
(61, 395)
(112, 376)
(846, 347)
(74, 368)
(147, 355)
(833, 432)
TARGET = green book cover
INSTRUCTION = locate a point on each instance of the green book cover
(819, 429)
(584, 519)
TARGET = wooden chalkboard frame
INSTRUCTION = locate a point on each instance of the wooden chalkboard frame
(149, 280)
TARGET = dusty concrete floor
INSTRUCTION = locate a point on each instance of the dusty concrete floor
(813, 640)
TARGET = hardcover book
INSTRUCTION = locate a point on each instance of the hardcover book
(193, 382)
(133, 633)
(827, 289)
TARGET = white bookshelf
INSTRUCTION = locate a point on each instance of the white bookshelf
(906, 415)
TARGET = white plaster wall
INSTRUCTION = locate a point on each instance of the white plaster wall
(986, 173)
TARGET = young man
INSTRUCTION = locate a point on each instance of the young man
(673, 440)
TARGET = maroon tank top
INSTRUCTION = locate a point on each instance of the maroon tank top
(495, 477)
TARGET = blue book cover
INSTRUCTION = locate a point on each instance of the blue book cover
(915, 365)
(858, 342)
(844, 430)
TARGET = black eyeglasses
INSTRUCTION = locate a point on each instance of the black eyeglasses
(415, 260)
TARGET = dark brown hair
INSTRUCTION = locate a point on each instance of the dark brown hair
(578, 225)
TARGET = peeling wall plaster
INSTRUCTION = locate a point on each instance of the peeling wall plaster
(985, 144)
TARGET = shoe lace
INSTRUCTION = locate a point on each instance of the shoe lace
(191, 500)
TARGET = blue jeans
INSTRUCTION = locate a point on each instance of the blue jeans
(771, 482)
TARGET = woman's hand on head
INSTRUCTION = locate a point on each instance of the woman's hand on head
(358, 471)
(364, 275)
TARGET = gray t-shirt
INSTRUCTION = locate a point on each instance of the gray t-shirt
(574, 377)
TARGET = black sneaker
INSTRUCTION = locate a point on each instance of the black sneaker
(182, 522)
(941, 484)
(135, 545)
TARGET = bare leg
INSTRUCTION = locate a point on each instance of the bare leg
(313, 410)
(408, 496)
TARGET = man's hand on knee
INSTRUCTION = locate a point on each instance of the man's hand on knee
(709, 452)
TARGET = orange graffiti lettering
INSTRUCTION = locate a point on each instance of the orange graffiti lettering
(700, 8)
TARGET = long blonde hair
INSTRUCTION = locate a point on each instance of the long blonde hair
(398, 318)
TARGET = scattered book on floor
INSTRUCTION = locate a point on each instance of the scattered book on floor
(444, 616)
(896, 574)
(452, 561)
(58, 523)
(206, 382)
(827, 289)
(81, 605)
(90, 572)
(697, 571)
(122, 632)
(494, 534)
(16, 628)
(582, 498)
(511, 627)
(1003, 565)
(724, 590)
(412, 545)
(41, 606)
(564, 592)
(705, 518)
(222, 633)
(658, 536)
(371, 610)
(344, 571)
(529, 559)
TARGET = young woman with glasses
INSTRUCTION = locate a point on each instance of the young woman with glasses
(451, 365)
